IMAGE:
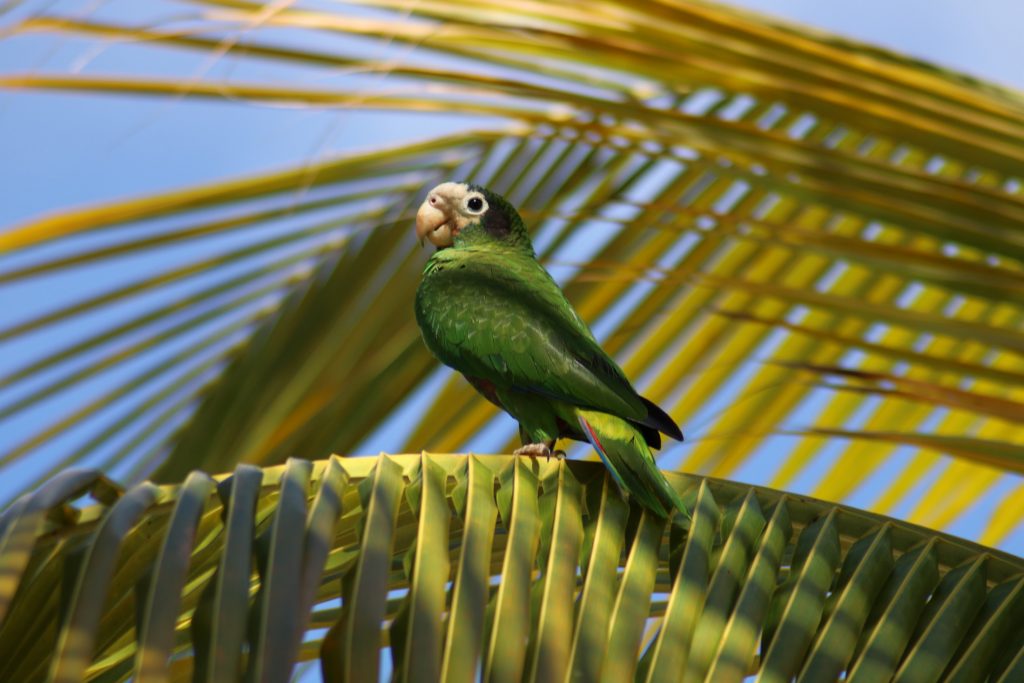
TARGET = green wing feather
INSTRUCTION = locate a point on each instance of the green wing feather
(499, 316)
(630, 462)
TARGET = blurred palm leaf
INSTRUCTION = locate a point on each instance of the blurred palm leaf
(714, 191)
(452, 564)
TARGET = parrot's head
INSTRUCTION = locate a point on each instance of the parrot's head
(460, 214)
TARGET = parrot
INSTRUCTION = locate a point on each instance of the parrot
(487, 308)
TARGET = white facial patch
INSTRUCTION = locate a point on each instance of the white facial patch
(448, 208)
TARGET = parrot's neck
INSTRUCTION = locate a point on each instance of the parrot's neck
(463, 252)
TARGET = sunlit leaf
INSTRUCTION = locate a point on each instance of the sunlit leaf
(713, 190)
(860, 593)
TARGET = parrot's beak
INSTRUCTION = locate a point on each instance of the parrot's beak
(433, 222)
(437, 219)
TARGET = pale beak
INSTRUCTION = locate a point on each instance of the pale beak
(434, 221)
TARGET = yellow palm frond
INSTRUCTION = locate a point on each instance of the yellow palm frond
(809, 251)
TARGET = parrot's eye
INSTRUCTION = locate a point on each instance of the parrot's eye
(476, 204)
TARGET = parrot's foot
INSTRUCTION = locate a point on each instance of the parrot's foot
(534, 450)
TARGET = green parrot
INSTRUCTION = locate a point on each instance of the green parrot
(487, 308)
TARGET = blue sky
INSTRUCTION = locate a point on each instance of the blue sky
(49, 162)
(981, 38)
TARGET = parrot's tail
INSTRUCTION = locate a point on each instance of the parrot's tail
(625, 453)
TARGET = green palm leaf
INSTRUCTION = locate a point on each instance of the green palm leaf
(514, 567)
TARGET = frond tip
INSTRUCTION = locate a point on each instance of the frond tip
(451, 563)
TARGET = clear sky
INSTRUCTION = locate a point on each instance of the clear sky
(55, 159)
(981, 37)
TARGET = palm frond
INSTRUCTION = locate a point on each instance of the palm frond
(713, 190)
(450, 564)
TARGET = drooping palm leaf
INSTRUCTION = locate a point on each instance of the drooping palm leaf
(451, 564)
(715, 191)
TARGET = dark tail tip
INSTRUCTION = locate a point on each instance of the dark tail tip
(662, 421)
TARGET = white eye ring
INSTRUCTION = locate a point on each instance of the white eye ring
(475, 204)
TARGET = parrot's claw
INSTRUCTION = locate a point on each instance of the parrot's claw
(534, 450)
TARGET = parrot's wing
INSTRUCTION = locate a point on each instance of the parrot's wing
(506, 321)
